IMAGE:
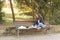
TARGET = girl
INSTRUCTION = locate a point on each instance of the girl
(39, 22)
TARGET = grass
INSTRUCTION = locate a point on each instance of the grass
(8, 22)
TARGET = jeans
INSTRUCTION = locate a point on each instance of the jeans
(42, 25)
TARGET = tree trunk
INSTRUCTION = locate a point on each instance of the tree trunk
(13, 16)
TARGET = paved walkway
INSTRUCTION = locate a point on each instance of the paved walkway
(32, 37)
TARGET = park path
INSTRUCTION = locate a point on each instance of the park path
(55, 36)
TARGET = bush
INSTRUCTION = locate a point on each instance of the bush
(1, 13)
(1, 16)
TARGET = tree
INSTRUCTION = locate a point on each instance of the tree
(1, 13)
(36, 5)
(13, 16)
(49, 9)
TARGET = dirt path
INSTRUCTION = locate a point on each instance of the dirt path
(32, 37)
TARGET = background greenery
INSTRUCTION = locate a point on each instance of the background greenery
(1, 13)
(48, 9)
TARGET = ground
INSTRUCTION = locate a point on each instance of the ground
(32, 37)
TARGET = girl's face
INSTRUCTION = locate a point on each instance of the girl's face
(37, 15)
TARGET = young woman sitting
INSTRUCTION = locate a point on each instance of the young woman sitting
(39, 22)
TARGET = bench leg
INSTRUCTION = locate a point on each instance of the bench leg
(18, 32)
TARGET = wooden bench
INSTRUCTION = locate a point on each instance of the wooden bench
(17, 24)
(24, 23)
(28, 23)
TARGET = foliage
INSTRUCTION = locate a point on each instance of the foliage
(1, 13)
(49, 9)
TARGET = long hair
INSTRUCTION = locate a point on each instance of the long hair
(39, 17)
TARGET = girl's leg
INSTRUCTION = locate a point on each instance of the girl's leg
(35, 25)
(42, 25)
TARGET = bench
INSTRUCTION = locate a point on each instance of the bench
(24, 23)
(17, 24)
(29, 29)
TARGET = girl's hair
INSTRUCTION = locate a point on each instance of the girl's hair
(38, 16)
